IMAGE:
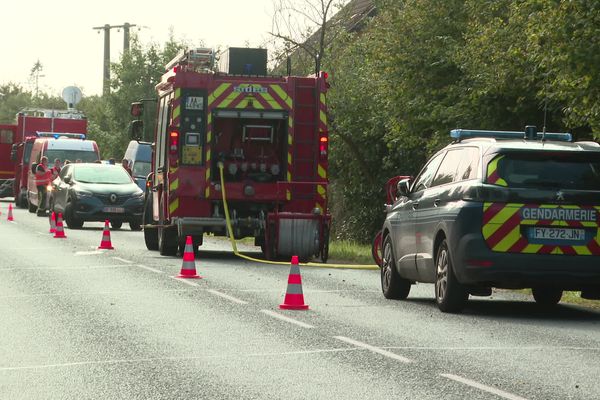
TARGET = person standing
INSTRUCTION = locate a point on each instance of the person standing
(43, 177)
(56, 168)
(125, 164)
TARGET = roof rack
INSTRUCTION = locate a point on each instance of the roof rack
(530, 133)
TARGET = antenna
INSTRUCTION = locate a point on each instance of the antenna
(545, 108)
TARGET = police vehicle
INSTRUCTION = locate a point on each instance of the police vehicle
(497, 209)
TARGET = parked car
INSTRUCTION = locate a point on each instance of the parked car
(497, 209)
(139, 155)
(97, 192)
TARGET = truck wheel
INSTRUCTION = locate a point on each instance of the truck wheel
(325, 249)
(393, 285)
(150, 234)
(21, 201)
(167, 241)
(32, 207)
(450, 295)
(547, 297)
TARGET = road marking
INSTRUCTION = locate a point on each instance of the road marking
(286, 319)
(226, 296)
(483, 387)
(161, 359)
(66, 268)
(123, 260)
(187, 282)
(131, 292)
(157, 271)
(373, 349)
(88, 253)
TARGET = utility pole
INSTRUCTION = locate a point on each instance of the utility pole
(106, 28)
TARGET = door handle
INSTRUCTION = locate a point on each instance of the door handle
(436, 203)
(415, 205)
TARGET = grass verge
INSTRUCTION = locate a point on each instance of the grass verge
(350, 252)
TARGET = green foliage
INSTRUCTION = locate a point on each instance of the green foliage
(423, 67)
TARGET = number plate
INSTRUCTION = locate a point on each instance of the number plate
(115, 210)
(546, 233)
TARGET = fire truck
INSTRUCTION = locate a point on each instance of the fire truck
(24, 134)
(242, 140)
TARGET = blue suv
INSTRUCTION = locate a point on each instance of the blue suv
(497, 209)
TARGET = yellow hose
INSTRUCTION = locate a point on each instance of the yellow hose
(237, 253)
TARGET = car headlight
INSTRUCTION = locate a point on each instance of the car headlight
(81, 194)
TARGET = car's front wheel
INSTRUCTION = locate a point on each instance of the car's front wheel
(116, 224)
(393, 285)
(450, 295)
(70, 219)
(135, 226)
(547, 296)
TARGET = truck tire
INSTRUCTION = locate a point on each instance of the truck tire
(150, 234)
(32, 207)
(167, 241)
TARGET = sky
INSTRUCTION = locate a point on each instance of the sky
(60, 34)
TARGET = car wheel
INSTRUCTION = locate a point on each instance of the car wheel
(135, 226)
(116, 224)
(150, 234)
(547, 296)
(450, 295)
(72, 222)
(32, 207)
(393, 285)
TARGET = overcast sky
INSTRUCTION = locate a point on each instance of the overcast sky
(59, 33)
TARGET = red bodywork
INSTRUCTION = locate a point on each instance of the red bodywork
(269, 133)
(24, 135)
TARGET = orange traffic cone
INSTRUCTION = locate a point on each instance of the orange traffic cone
(294, 299)
(188, 267)
(10, 216)
(60, 232)
(105, 244)
(52, 223)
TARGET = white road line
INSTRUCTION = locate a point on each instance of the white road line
(483, 387)
(88, 253)
(187, 282)
(491, 348)
(373, 349)
(64, 267)
(161, 359)
(131, 292)
(226, 296)
(123, 260)
(286, 319)
(157, 271)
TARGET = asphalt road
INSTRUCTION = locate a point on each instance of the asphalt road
(77, 323)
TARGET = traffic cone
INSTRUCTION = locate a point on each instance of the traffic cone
(105, 244)
(294, 299)
(52, 223)
(188, 267)
(10, 216)
(60, 232)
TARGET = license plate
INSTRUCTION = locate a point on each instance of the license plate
(115, 210)
(546, 233)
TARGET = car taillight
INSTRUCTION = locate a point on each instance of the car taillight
(173, 141)
(323, 144)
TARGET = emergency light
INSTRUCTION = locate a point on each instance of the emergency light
(460, 134)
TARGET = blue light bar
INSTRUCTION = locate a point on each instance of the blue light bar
(460, 134)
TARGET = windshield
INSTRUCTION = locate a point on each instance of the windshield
(71, 155)
(141, 169)
(101, 174)
(552, 170)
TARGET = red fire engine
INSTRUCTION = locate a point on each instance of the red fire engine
(29, 122)
(265, 135)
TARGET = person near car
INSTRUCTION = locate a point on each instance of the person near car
(125, 164)
(56, 168)
(43, 177)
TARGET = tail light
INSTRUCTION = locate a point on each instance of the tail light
(323, 144)
(173, 142)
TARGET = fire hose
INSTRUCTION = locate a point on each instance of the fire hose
(237, 253)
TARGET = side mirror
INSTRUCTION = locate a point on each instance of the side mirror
(67, 179)
(136, 129)
(404, 187)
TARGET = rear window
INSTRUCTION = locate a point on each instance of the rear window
(98, 174)
(555, 170)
